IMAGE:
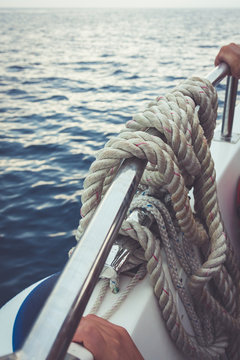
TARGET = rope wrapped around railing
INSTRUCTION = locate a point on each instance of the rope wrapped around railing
(179, 160)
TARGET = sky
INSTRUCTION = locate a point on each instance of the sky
(121, 3)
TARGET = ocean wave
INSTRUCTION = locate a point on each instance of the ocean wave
(65, 90)
(16, 92)
(16, 68)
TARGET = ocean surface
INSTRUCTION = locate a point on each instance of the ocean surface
(69, 80)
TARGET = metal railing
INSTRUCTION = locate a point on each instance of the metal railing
(229, 107)
(54, 328)
(216, 76)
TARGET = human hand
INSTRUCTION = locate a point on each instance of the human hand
(230, 54)
(105, 340)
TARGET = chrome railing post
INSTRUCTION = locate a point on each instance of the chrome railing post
(229, 107)
(218, 74)
(53, 330)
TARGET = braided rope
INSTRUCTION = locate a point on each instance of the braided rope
(121, 296)
(178, 159)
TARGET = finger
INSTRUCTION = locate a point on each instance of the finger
(217, 61)
(90, 336)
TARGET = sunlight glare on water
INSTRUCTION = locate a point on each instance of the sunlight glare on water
(69, 80)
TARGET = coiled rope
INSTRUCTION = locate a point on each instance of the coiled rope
(179, 159)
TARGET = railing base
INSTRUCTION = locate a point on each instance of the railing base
(233, 139)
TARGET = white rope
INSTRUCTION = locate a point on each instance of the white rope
(121, 296)
(178, 159)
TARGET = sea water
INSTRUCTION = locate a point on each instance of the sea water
(69, 80)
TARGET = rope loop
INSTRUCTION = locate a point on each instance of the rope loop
(187, 253)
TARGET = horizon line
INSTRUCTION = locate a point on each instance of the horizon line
(118, 7)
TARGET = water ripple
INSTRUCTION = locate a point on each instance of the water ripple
(65, 90)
